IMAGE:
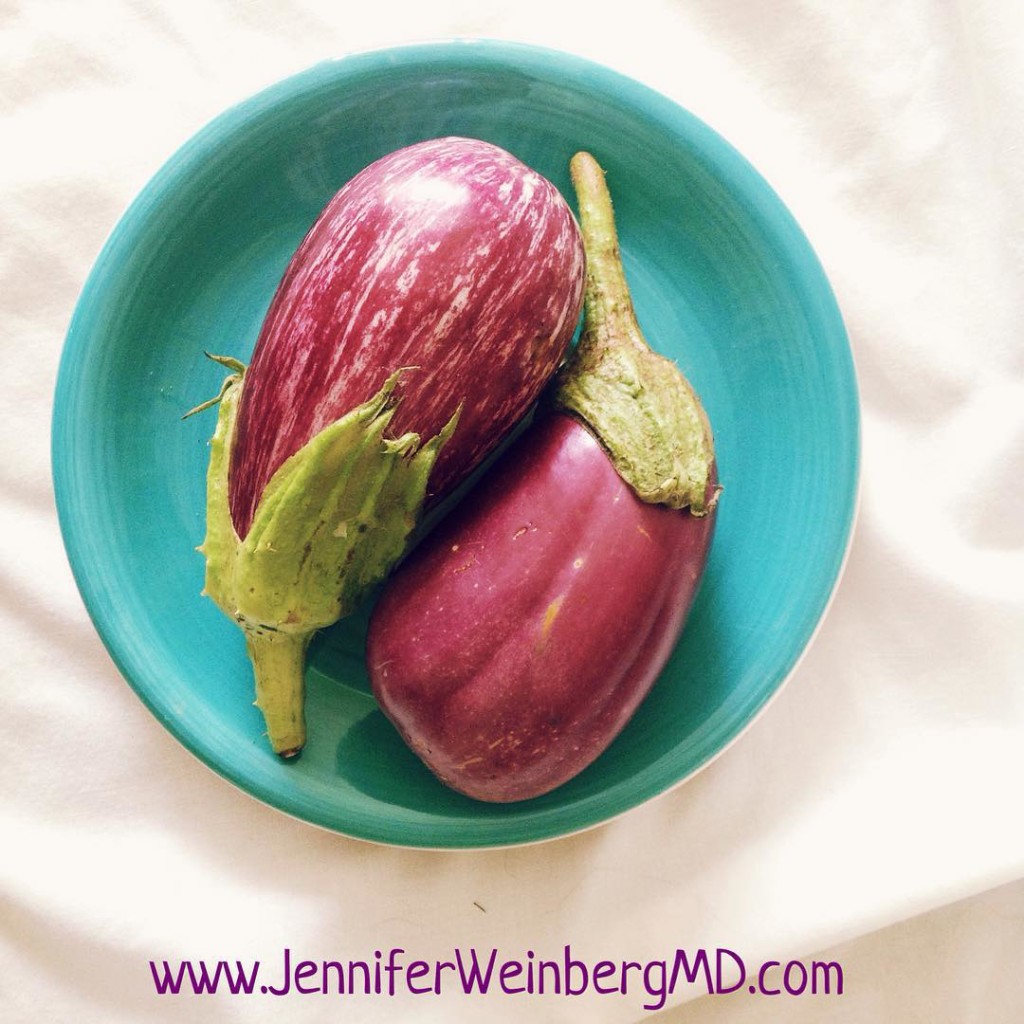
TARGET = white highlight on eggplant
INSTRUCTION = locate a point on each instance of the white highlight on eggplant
(428, 190)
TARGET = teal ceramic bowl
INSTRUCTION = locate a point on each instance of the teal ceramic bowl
(724, 282)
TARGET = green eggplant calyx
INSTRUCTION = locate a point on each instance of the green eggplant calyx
(330, 524)
(639, 404)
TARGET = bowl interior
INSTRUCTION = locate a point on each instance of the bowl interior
(723, 281)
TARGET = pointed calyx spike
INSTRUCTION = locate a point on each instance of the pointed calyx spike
(638, 403)
(237, 369)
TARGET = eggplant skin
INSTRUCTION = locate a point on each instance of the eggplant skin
(518, 639)
(449, 258)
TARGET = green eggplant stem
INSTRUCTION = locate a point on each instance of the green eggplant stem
(278, 664)
(608, 303)
(638, 403)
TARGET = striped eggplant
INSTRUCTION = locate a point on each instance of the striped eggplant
(515, 643)
(418, 321)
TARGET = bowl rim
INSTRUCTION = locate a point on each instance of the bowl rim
(478, 53)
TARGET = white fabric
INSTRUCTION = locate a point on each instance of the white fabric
(885, 781)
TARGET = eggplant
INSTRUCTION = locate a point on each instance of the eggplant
(418, 321)
(513, 645)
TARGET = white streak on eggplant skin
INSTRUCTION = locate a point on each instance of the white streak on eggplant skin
(450, 256)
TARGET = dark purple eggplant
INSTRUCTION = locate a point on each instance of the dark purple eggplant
(418, 321)
(518, 639)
